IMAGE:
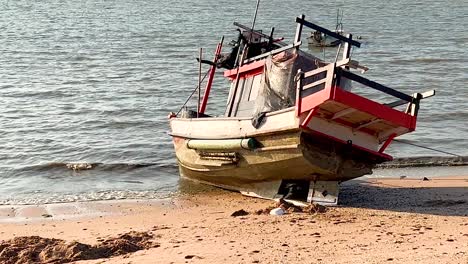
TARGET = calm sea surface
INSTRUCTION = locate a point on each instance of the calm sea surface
(92, 81)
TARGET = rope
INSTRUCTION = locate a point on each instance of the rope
(424, 147)
(193, 92)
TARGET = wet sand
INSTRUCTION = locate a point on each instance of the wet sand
(377, 221)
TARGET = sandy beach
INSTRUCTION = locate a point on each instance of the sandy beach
(377, 221)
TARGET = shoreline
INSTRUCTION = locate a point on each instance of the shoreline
(377, 221)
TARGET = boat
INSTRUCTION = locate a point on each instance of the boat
(293, 127)
(320, 39)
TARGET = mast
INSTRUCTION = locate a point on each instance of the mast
(241, 62)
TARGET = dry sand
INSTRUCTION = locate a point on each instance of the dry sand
(378, 221)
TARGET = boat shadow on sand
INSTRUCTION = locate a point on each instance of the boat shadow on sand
(447, 201)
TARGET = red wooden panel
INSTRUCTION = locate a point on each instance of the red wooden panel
(360, 103)
(311, 101)
(374, 108)
(247, 70)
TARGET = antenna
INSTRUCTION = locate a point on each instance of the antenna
(254, 19)
(242, 57)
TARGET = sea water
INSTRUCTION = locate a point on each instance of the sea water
(92, 82)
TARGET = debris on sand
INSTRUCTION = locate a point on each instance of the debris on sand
(277, 211)
(193, 257)
(314, 209)
(35, 249)
(264, 211)
(240, 212)
(288, 207)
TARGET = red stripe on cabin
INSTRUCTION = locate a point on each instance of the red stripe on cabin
(246, 70)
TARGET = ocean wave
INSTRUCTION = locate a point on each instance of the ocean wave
(48, 198)
(79, 166)
(428, 61)
(425, 161)
(404, 162)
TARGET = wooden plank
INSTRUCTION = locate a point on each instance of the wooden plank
(347, 48)
(311, 114)
(373, 108)
(398, 130)
(246, 90)
(343, 113)
(396, 103)
(348, 63)
(237, 97)
(297, 37)
(387, 142)
(331, 107)
(385, 156)
(330, 78)
(326, 31)
(344, 62)
(300, 74)
(426, 94)
(310, 85)
(244, 69)
(375, 85)
(273, 52)
(245, 109)
(314, 72)
(381, 126)
(256, 83)
(369, 123)
(246, 28)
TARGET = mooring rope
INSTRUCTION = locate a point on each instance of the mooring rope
(424, 147)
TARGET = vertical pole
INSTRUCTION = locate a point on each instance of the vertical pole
(209, 83)
(254, 19)
(199, 82)
(236, 85)
(300, 76)
(270, 39)
(345, 84)
(297, 38)
(347, 49)
(338, 52)
(246, 47)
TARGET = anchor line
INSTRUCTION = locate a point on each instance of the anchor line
(424, 147)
